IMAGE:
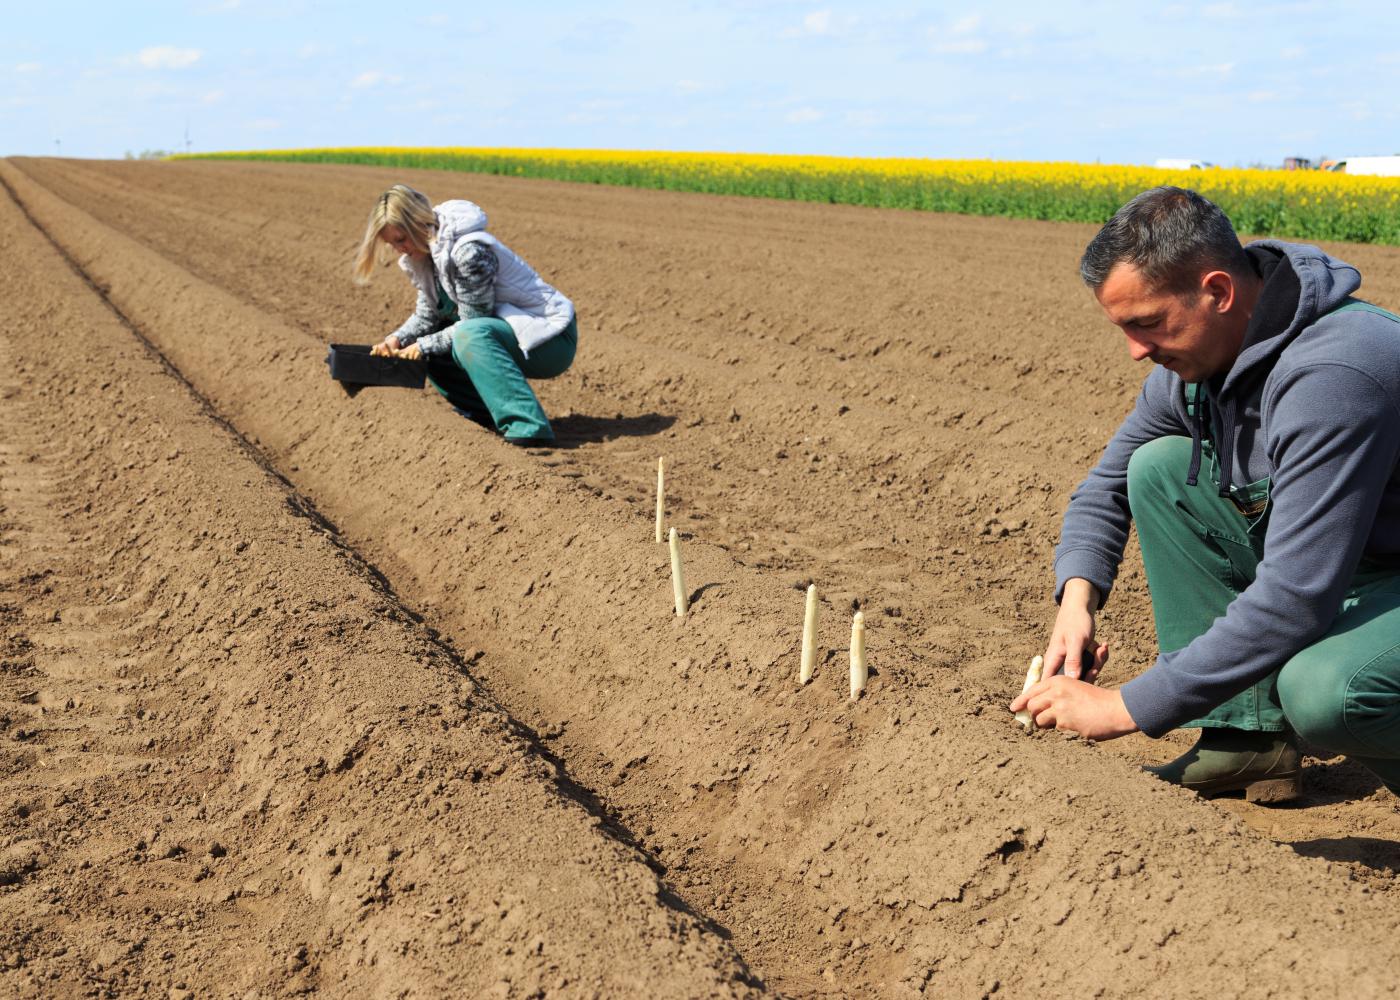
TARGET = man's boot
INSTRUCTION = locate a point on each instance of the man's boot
(1267, 767)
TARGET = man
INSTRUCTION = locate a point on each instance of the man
(1261, 466)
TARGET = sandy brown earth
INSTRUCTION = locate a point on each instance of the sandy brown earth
(427, 696)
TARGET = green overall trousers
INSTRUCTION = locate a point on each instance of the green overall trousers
(487, 372)
(1202, 550)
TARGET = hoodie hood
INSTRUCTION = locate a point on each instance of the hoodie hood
(455, 219)
(1301, 285)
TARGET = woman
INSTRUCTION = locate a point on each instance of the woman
(485, 321)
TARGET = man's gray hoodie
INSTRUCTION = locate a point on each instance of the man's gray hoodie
(1313, 404)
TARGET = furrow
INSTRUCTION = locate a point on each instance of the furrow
(243, 767)
(911, 841)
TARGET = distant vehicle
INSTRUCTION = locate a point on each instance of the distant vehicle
(1176, 164)
(1297, 163)
(1368, 166)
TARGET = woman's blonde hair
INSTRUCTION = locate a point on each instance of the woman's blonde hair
(400, 206)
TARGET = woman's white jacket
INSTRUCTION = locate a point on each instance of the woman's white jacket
(535, 310)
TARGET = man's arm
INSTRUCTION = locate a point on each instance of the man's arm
(1096, 527)
(1332, 464)
(1073, 634)
(1065, 701)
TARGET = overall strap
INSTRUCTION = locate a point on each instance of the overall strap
(1357, 305)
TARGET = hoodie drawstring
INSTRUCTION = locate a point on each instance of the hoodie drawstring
(1225, 449)
(1195, 468)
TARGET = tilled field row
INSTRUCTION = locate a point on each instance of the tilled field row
(835, 477)
(908, 842)
(233, 764)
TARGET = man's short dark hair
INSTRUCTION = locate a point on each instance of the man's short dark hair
(1171, 235)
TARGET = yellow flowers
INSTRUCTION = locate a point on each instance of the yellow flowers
(1300, 204)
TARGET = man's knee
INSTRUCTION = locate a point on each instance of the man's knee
(1156, 464)
(1313, 698)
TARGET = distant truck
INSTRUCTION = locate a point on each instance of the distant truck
(1169, 163)
(1369, 166)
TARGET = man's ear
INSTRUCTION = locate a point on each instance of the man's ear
(1220, 287)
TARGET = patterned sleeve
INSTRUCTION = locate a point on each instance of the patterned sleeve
(471, 282)
(472, 274)
(425, 320)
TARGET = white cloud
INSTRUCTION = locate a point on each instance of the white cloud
(961, 37)
(213, 97)
(821, 24)
(1293, 52)
(689, 86)
(866, 119)
(168, 57)
(803, 116)
(1221, 10)
(310, 49)
(1358, 110)
(264, 124)
(373, 78)
(28, 67)
(1261, 96)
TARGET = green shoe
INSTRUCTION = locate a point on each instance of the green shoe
(1267, 767)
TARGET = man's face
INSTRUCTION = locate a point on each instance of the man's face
(1193, 334)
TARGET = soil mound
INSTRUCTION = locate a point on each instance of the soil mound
(907, 443)
(233, 763)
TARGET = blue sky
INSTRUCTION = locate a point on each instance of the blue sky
(1238, 81)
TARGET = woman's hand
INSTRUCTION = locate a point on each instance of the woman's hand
(1092, 712)
(387, 348)
(1073, 635)
(410, 353)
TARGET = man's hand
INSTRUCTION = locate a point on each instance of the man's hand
(1073, 635)
(410, 353)
(1063, 703)
(386, 348)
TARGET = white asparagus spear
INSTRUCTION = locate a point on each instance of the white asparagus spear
(678, 576)
(1032, 679)
(858, 671)
(809, 635)
(660, 498)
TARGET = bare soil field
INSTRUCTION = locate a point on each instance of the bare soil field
(303, 693)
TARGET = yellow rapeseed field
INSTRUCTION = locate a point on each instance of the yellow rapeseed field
(1303, 204)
